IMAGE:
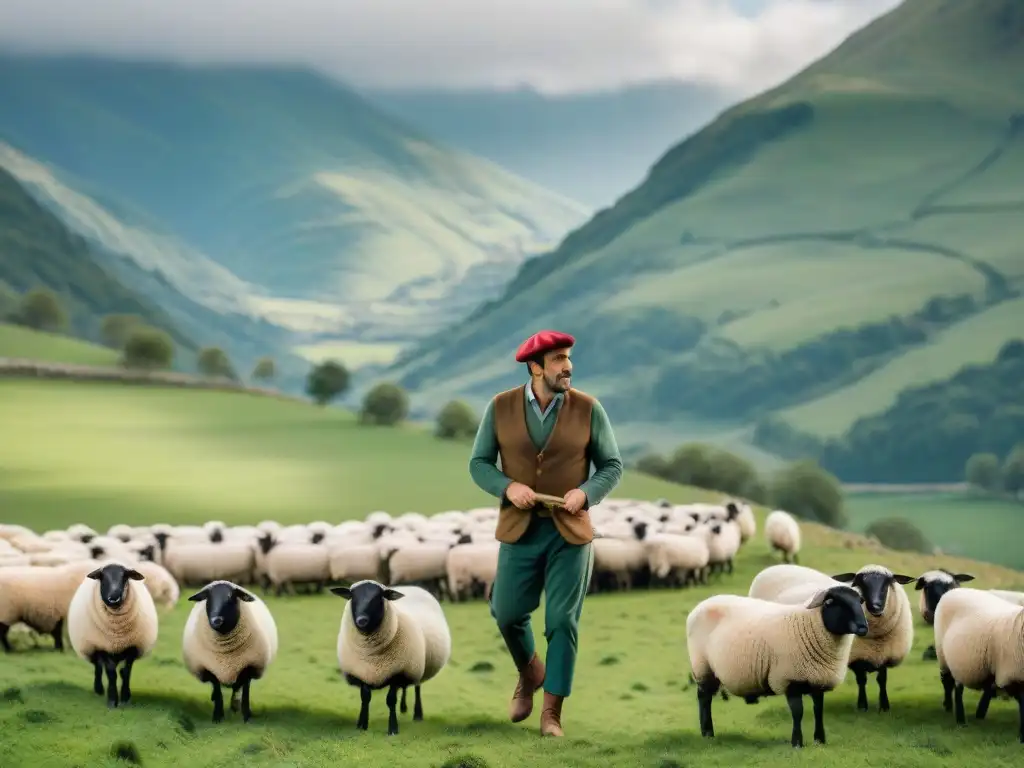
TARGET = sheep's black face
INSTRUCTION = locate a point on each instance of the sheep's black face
(97, 552)
(265, 542)
(640, 529)
(317, 537)
(841, 612)
(379, 530)
(147, 553)
(731, 511)
(874, 586)
(113, 579)
(223, 611)
(368, 604)
(934, 589)
(716, 528)
(161, 540)
(216, 536)
(465, 539)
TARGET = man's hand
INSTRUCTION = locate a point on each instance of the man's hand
(574, 500)
(521, 495)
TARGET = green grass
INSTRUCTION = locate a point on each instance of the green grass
(103, 454)
(961, 524)
(974, 341)
(16, 341)
(632, 704)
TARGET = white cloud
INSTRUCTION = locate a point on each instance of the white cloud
(552, 45)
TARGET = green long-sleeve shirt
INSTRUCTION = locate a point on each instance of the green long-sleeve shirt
(604, 451)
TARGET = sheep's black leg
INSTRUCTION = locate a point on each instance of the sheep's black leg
(417, 705)
(126, 675)
(4, 629)
(1020, 710)
(986, 699)
(818, 699)
(958, 704)
(947, 689)
(728, 565)
(110, 664)
(58, 636)
(216, 695)
(796, 708)
(97, 678)
(862, 687)
(246, 708)
(883, 690)
(402, 705)
(392, 700)
(365, 692)
(705, 695)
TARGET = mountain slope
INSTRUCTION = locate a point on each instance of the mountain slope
(37, 250)
(589, 146)
(800, 241)
(339, 218)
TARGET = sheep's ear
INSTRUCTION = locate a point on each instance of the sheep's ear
(818, 599)
(901, 579)
(845, 577)
(244, 596)
(134, 575)
(392, 594)
(920, 583)
(342, 592)
(962, 577)
(95, 574)
(199, 596)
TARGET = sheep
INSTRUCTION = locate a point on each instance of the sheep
(471, 566)
(933, 585)
(355, 562)
(424, 565)
(723, 544)
(202, 562)
(287, 562)
(110, 622)
(232, 644)
(677, 559)
(758, 648)
(39, 597)
(386, 643)
(1017, 598)
(745, 519)
(160, 583)
(979, 641)
(782, 532)
(890, 621)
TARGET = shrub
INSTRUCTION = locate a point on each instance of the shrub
(982, 471)
(265, 370)
(115, 329)
(809, 492)
(42, 310)
(456, 420)
(214, 361)
(386, 404)
(899, 533)
(148, 349)
(327, 381)
(1013, 471)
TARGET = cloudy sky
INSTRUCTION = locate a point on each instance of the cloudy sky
(555, 46)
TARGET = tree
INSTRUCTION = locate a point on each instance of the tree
(982, 471)
(654, 465)
(148, 349)
(386, 404)
(809, 492)
(115, 329)
(690, 464)
(456, 420)
(327, 381)
(265, 370)
(214, 361)
(900, 534)
(1013, 471)
(42, 310)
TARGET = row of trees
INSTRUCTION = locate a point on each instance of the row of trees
(39, 309)
(985, 472)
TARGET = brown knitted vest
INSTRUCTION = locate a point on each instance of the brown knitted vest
(563, 464)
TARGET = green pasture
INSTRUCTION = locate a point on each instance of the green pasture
(962, 524)
(16, 341)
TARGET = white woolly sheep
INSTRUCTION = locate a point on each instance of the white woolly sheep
(160, 583)
(890, 618)
(979, 642)
(39, 597)
(289, 562)
(744, 519)
(203, 562)
(756, 648)
(230, 639)
(677, 559)
(356, 562)
(422, 565)
(391, 637)
(110, 621)
(471, 569)
(933, 585)
(782, 532)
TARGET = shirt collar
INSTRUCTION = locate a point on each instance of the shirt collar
(532, 397)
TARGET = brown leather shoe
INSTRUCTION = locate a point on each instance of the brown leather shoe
(531, 677)
(551, 715)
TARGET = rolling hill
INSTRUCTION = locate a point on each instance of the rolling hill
(274, 192)
(590, 146)
(18, 342)
(795, 248)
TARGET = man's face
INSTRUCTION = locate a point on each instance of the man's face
(557, 370)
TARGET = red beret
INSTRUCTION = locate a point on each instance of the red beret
(541, 342)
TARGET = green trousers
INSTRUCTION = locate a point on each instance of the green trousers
(542, 561)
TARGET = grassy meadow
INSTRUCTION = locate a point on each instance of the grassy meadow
(102, 454)
(16, 341)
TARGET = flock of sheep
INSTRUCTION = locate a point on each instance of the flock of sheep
(798, 630)
(795, 634)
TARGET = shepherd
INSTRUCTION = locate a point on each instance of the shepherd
(547, 435)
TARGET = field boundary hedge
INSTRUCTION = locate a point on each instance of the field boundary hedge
(13, 367)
